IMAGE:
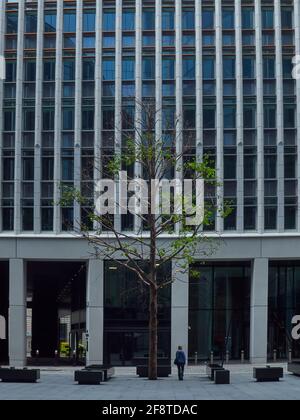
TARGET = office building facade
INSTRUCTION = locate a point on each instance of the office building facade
(225, 68)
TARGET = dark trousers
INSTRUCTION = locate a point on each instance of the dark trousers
(180, 367)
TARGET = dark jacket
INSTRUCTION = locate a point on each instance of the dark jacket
(180, 357)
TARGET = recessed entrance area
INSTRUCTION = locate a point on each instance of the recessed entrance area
(4, 287)
(284, 304)
(56, 312)
(219, 310)
(126, 314)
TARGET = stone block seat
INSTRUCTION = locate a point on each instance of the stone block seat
(294, 368)
(19, 375)
(94, 374)
(268, 374)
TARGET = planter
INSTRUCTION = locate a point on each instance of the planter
(268, 374)
(210, 370)
(19, 375)
(294, 368)
(162, 371)
(222, 377)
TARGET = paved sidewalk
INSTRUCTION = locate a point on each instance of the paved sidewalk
(58, 384)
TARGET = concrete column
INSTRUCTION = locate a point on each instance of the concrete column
(17, 313)
(239, 116)
(38, 118)
(280, 117)
(259, 311)
(219, 117)
(98, 104)
(57, 124)
(180, 310)
(18, 128)
(260, 119)
(78, 113)
(95, 312)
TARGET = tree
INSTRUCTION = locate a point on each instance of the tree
(159, 237)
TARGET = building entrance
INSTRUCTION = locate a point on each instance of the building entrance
(56, 312)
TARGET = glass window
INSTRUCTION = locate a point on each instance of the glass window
(29, 119)
(108, 69)
(250, 116)
(168, 19)
(209, 117)
(69, 70)
(68, 119)
(11, 23)
(168, 68)
(88, 69)
(208, 40)
(128, 41)
(31, 22)
(270, 116)
(9, 120)
(89, 21)
(168, 40)
(50, 22)
(270, 218)
(249, 67)
(287, 64)
(188, 19)
(228, 18)
(49, 70)
(247, 18)
(11, 71)
(109, 41)
(109, 20)
(289, 116)
(188, 40)
(88, 42)
(128, 68)
(87, 119)
(148, 40)
(270, 166)
(48, 119)
(128, 20)
(267, 18)
(287, 18)
(229, 67)
(269, 67)
(148, 68)
(148, 19)
(229, 116)
(208, 67)
(250, 167)
(188, 68)
(30, 68)
(208, 19)
(69, 22)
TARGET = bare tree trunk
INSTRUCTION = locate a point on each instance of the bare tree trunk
(153, 333)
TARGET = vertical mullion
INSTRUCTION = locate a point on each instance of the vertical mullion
(220, 121)
(2, 42)
(18, 128)
(280, 123)
(38, 118)
(260, 120)
(239, 116)
(58, 117)
(78, 111)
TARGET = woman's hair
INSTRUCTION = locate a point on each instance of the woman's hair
(179, 347)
